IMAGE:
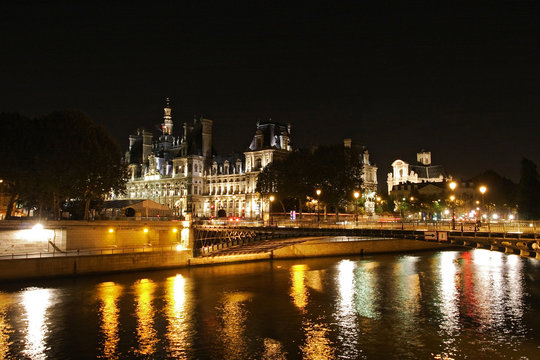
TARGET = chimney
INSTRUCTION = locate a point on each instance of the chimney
(206, 138)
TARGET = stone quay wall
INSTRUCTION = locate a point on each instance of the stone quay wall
(91, 264)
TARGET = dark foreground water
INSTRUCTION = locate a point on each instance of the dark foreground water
(430, 305)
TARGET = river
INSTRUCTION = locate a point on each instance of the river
(428, 305)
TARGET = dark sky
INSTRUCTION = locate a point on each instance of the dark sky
(460, 80)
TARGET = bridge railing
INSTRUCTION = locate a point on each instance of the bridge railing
(87, 252)
(506, 226)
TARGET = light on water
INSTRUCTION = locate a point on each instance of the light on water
(432, 305)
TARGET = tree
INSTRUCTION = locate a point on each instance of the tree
(17, 149)
(337, 171)
(501, 191)
(98, 169)
(529, 190)
(58, 157)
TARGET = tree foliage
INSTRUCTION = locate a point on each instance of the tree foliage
(501, 191)
(58, 157)
(529, 190)
(335, 170)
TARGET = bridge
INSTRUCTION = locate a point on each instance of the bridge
(211, 238)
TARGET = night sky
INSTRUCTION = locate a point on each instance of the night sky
(462, 81)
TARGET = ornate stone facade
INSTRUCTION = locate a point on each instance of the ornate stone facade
(184, 173)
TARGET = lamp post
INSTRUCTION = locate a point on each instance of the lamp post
(272, 198)
(318, 192)
(453, 186)
(356, 195)
(483, 190)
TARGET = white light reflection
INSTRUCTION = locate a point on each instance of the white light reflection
(366, 295)
(449, 302)
(514, 282)
(489, 287)
(178, 316)
(36, 302)
(346, 317)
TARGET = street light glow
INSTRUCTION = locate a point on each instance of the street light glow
(453, 185)
(483, 189)
(356, 194)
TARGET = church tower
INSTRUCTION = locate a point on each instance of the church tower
(167, 125)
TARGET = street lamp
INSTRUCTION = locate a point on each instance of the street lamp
(483, 190)
(452, 199)
(356, 195)
(453, 186)
(318, 192)
(272, 198)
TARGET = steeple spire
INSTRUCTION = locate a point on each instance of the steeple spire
(167, 125)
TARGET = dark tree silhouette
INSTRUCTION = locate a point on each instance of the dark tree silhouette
(529, 191)
(60, 156)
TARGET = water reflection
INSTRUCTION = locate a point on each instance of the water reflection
(273, 350)
(299, 291)
(316, 345)
(346, 316)
(234, 317)
(144, 311)
(488, 288)
(108, 294)
(5, 328)
(514, 280)
(178, 316)
(449, 305)
(366, 297)
(35, 303)
(408, 286)
(446, 305)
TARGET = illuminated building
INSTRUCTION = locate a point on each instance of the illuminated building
(404, 175)
(184, 173)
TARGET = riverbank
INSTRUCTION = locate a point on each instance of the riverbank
(73, 265)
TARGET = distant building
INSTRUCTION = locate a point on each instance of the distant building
(404, 173)
(369, 176)
(184, 173)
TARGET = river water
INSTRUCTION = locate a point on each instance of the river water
(428, 305)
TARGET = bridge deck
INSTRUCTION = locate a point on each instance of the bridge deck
(224, 240)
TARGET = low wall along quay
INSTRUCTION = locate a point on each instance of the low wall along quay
(28, 250)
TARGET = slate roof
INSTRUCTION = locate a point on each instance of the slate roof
(428, 172)
(271, 131)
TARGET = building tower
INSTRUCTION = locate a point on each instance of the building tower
(167, 125)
